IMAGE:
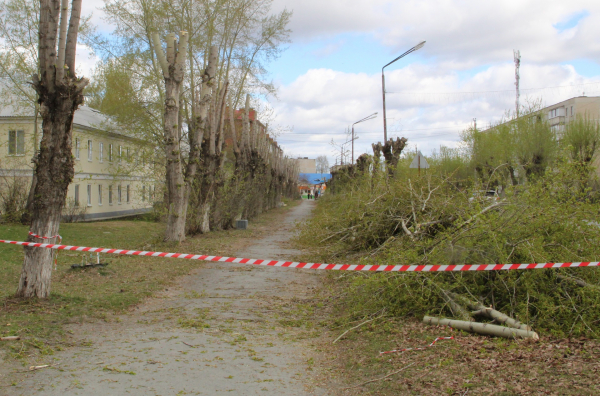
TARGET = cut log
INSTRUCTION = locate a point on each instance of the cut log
(490, 313)
(10, 338)
(482, 328)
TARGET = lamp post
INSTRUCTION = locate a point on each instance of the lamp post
(413, 49)
(367, 118)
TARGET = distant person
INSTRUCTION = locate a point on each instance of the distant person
(316, 194)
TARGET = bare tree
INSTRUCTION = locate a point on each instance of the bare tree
(322, 164)
(60, 93)
(173, 68)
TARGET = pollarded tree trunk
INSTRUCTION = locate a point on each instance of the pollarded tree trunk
(173, 66)
(175, 186)
(59, 93)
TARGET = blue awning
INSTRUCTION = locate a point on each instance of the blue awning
(313, 178)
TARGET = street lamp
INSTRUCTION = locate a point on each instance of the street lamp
(413, 49)
(374, 115)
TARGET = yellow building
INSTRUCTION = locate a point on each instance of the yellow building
(113, 171)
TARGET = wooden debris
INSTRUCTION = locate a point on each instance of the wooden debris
(482, 328)
(482, 310)
(10, 338)
(32, 368)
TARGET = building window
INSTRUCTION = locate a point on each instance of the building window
(120, 153)
(128, 157)
(76, 194)
(77, 144)
(89, 150)
(100, 194)
(144, 193)
(110, 195)
(128, 193)
(89, 193)
(101, 154)
(16, 142)
(110, 152)
(119, 194)
(571, 111)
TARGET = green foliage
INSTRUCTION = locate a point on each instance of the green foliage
(581, 139)
(424, 220)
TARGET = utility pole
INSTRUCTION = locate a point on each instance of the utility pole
(517, 55)
(475, 123)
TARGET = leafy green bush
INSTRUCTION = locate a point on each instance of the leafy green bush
(407, 219)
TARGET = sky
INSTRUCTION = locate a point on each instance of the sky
(329, 76)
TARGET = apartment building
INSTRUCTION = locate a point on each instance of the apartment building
(113, 170)
(563, 112)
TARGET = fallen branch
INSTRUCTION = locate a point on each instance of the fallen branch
(482, 310)
(456, 308)
(379, 379)
(10, 338)
(482, 328)
(578, 281)
(356, 327)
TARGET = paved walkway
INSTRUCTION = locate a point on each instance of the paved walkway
(229, 329)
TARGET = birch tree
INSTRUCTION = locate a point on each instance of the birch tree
(60, 93)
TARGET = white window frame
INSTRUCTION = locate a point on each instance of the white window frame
(89, 195)
(110, 152)
(77, 147)
(90, 150)
(119, 194)
(101, 152)
(110, 194)
(99, 194)
(17, 142)
(128, 192)
(120, 153)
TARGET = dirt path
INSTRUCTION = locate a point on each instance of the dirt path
(228, 329)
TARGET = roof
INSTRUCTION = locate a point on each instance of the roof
(84, 117)
(313, 178)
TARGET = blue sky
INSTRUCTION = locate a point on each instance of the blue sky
(330, 74)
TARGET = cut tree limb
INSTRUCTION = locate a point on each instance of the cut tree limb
(356, 327)
(482, 328)
(10, 338)
(482, 310)
(578, 281)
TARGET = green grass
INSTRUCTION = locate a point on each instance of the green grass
(102, 292)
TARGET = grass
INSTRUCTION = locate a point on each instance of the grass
(101, 293)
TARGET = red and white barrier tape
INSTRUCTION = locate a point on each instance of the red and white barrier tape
(44, 237)
(319, 266)
(417, 349)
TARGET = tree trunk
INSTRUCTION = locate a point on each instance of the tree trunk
(58, 99)
(177, 209)
(482, 328)
(173, 65)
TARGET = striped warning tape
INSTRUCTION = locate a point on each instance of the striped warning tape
(417, 349)
(319, 266)
(45, 237)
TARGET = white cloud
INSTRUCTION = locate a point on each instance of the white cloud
(461, 31)
(430, 106)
